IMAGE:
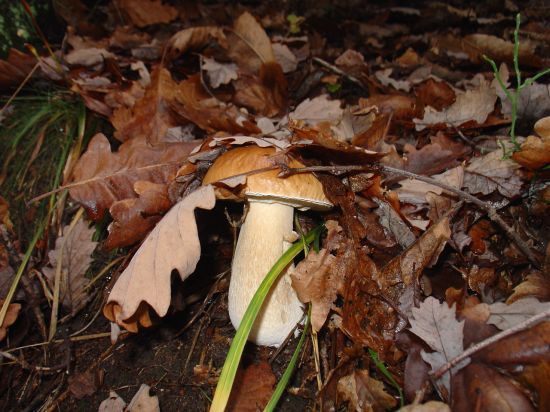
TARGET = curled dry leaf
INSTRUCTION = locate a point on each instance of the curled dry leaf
(252, 389)
(147, 277)
(9, 319)
(101, 177)
(144, 13)
(364, 393)
(74, 248)
(436, 324)
(491, 172)
(317, 279)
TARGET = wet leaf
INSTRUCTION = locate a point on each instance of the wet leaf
(104, 177)
(253, 388)
(364, 393)
(74, 248)
(437, 325)
(147, 277)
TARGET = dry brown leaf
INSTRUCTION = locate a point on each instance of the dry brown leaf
(150, 118)
(104, 177)
(364, 394)
(431, 406)
(316, 110)
(436, 324)
(316, 279)
(285, 57)
(219, 73)
(491, 172)
(15, 68)
(196, 105)
(536, 285)
(534, 152)
(402, 108)
(83, 384)
(9, 319)
(472, 105)
(147, 277)
(88, 57)
(144, 13)
(195, 38)
(134, 218)
(74, 247)
(436, 94)
(482, 388)
(143, 401)
(538, 377)
(505, 316)
(253, 388)
(476, 45)
(249, 45)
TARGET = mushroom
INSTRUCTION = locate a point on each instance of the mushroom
(264, 236)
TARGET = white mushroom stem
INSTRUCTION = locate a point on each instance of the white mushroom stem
(261, 243)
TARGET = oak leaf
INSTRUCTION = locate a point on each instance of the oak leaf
(173, 244)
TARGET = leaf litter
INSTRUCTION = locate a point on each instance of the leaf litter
(408, 268)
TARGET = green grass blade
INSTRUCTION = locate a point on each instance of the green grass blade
(382, 368)
(283, 382)
(225, 383)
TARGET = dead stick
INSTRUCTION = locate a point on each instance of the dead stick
(491, 211)
(336, 70)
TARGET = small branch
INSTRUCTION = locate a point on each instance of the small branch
(491, 211)
(336, 70)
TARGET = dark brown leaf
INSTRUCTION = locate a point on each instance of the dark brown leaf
(252, 389)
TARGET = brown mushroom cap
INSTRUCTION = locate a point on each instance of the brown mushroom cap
(301, 190)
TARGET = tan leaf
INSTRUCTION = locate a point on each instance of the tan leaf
(219, 73)
(9, 319)
(88, 57)
(318, 109)
(505, 316)
(436, 324)
(285, 57)
(143, 401)
(431, 406)
(474, 105)
(536, 284)
(476, 45)
(103, 177)
(74, 247)
(195, 38)
(491, 172)
(147, 12)
(147, 277)
(249, 45)
(252, 389)
(317, 279)
(150, 117)
(364, 393)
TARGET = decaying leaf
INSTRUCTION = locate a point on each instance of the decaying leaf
(253, 388)
(536, 285)
(317, 279)
(9, 319)
(104, 177)
(364, 394)
(491, 172)
(474, 105)
(436, 324)
(504, 316)
(73, 250)
(147, 277)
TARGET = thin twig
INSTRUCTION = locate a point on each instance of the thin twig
(491, 211)
(336, 70)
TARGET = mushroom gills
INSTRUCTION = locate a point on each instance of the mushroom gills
(261, 243)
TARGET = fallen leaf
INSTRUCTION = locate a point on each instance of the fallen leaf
(143, 13)
(143, 401)
(194, 38)
(318, 109)
(285, 57)
(476, 45)
(436, 94)
(505, 316)
(88, 57)
(102, 177)
(147, 277)
(383, 76)
(416, 192)
(316, 279)
(538, 377)
(480, 387)
(73, 251)
(472, 105)
(436, 324)
(219, 73)
(15, 68)
(491, 172)
(113, 403)
(392, 221)
(364, 393)
(431, 406)
(402, 108)
(253, 388)
(9, 319)
(536, 285)
(83, 384)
